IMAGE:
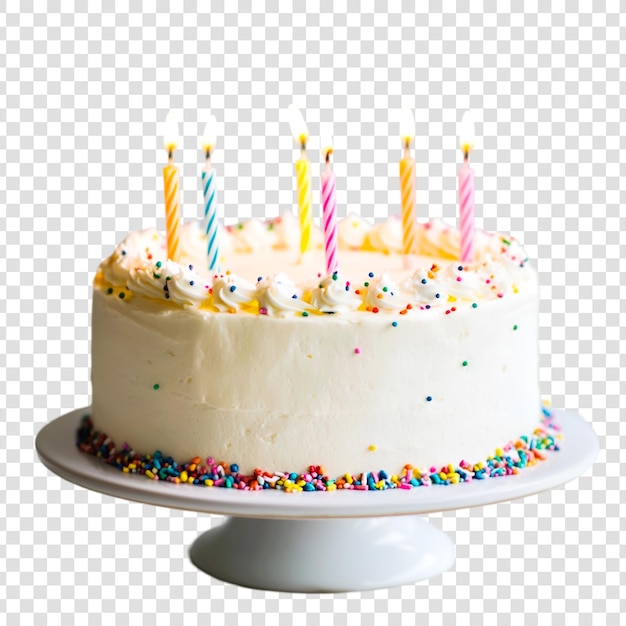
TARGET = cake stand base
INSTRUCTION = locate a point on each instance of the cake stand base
(323, 555)
(319, 542)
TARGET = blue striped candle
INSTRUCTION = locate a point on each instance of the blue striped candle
(210, 217)
(208, 142)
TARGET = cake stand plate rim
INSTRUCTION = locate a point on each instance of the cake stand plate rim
(55, 445)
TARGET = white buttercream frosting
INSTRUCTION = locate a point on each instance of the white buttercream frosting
(147, 281)
(184, 286)
(231, 292)
(386, 236)
(279, 297)
(335, 295)
(352, 231)
(423, 285)
(350, 391)
(438, 239)
(461, 282)
(193, 240)
(283, 393)
(384, 295)
(132, 252)
(256, 250)
(286, 231)
(252, 236)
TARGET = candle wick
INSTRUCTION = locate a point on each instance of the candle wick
(170, 156)
(303, 148)
(208, 156)
(328, 158)
(407, 145)
(466, 155)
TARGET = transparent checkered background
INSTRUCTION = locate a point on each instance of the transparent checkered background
(81, 99)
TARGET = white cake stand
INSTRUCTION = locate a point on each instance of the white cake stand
(319, 542)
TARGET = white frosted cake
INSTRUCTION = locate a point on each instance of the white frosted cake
(270, 365)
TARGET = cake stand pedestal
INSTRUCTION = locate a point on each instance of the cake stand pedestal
(323, 555)
(319, 542)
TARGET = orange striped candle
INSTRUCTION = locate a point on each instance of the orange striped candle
(171, 188)
(407, 185)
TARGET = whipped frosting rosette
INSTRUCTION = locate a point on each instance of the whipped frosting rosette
(148, 281)
(383, 294)
(279, 297)
(335, 295)
(352, 231)
(438, 240)
(385, 237)
(424, 286)
(230, 292)
(134, 251)
(252, 236)
(168, 281)
(185, 286)
(461, 282)
(286, 229)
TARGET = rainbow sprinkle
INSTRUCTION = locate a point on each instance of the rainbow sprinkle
(515, 456)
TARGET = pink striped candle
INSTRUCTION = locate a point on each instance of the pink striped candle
(329, 213)
(466, 203)
(466, 190)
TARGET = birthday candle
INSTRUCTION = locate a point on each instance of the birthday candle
(407, 184)
(300, 133)
(329, 210)
(466, 189)
(171, 187)
(208, 142)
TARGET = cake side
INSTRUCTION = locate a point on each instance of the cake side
(287, 393)
(365, 370)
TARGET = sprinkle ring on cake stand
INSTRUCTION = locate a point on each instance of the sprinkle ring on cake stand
(319, 542)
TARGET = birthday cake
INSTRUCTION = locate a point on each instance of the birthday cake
(271, 373)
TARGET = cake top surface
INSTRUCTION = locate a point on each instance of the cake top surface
(263, 272)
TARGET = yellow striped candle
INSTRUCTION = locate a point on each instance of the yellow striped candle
(303, 176)
(171, 188)
(407, 185)
(303, 179)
